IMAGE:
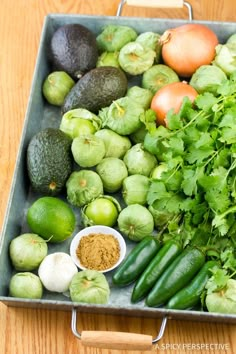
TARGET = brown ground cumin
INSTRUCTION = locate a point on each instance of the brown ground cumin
(98, 251)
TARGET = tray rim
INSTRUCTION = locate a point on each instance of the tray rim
(68, 305)
(131, 311)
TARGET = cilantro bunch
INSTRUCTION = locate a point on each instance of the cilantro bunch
(196, 196)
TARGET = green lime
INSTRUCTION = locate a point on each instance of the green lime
(51, 218)
(102, 211)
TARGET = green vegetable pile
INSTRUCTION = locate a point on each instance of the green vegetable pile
(197, 191)
(166, 274)
(196, 195)
(170, 189)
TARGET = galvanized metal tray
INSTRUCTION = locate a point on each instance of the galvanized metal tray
(41, 115)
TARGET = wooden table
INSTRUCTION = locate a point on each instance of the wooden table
(32, 331)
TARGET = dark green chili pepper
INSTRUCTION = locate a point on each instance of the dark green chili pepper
(136, 261)
(189, 296)
(176, 276)
(156, 267)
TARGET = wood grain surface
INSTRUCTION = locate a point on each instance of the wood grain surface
(34, 331)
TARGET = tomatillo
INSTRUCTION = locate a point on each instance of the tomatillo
(101, 211)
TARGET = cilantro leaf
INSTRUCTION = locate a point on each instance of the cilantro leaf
(171, 203)
(217, 281)
(217, 179)
(186, 111)
(217, 191)
(199, 150)
(228, 258)
(149, 120)
(228, 135)
(176, 121)
(161, 215)
(172, 179)
(222, 158)
(205, 101)
(223, 221)
(198, 155)
(173, 120)
(191, 135)
(221, 224)
(217, 199)
(204, 140)
(228, 88)
(228, 119)
(167, 149)
(156, 191)
(189, 184)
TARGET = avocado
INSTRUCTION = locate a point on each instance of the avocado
(49, 160)
(98, 88)
(73, 49)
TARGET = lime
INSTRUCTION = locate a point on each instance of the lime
(51, 218)
(102, 211)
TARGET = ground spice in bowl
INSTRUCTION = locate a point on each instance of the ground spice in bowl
(98, 251)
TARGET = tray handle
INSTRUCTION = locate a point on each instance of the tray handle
(116, 340)
(157, 3)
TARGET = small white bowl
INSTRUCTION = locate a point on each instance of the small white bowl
(97, 229)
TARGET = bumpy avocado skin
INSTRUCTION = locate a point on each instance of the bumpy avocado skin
(96, 89)
(73, 48)
(49, 161)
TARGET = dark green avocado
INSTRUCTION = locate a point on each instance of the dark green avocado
(49, 161)
(73, 49)
(96, 89)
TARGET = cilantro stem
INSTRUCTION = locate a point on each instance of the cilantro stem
(212, 157)
(222, 99)
(220, 103)
(174, 172)
(172, 133)
(188, 124)
(228, 211)
(233, 165)
(211, 251)
(175, 218)
(231, 275)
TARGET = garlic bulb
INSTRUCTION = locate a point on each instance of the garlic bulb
(56, 271)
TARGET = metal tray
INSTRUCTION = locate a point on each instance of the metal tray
(40, 115)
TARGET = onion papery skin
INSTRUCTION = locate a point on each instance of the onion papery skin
(187, 47)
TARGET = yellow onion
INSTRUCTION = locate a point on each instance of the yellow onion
(170, 97)
(187, 47)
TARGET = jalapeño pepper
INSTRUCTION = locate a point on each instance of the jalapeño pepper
(176, 276)
(189, 296)
(156, 267)
(136, 261)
